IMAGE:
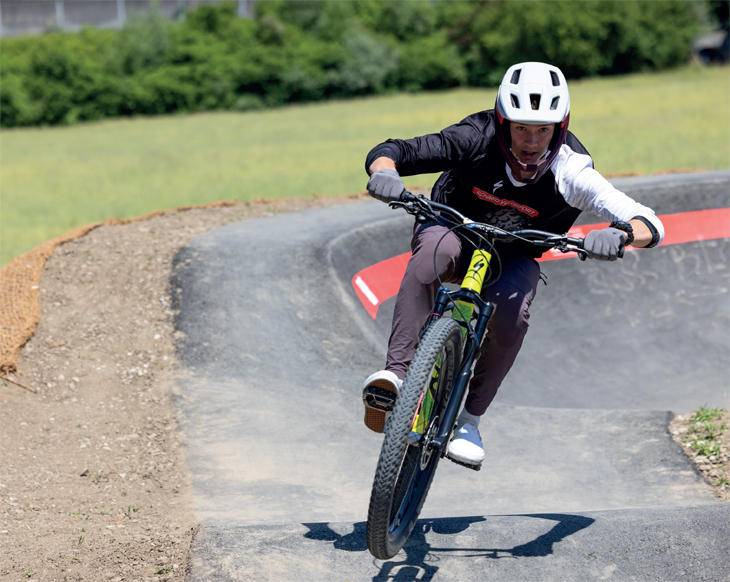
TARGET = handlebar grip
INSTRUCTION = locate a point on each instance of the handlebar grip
(576, 242)
(406, 196)
(620, 253)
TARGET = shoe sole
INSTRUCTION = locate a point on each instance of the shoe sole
(375, 419)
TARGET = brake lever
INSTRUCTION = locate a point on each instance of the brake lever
(415, 207)
(394, 204)
(409, 207)
(582, 253)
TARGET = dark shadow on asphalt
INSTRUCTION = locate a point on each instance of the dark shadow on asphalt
(420, 557)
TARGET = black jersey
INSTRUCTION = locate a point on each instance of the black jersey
(477, 181)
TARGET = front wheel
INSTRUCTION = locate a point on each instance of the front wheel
(407, 465)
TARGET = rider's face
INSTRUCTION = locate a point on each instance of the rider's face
(530, 142)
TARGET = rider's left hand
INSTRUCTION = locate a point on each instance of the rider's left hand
(605, 244)
(386, 185)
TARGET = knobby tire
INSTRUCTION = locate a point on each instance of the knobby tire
(401, 479)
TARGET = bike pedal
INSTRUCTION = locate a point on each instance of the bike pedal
(379, 398)
(463, 464)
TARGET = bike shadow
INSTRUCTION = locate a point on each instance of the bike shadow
(417, 560)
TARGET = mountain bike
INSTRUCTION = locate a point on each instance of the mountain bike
(423, 416)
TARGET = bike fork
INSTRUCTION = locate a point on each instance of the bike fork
(474, 338)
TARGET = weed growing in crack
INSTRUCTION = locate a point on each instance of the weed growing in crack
(712, 431)
(130, 510)
(705, 414)
(705, 433)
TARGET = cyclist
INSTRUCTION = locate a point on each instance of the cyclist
(515, 166)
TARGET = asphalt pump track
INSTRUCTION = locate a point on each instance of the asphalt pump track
(581, 481)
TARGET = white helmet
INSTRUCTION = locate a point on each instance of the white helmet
(537, 94)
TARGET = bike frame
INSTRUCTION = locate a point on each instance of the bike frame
(428, 406)
(464, 301)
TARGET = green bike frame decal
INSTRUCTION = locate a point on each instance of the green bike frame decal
(463, 310)
(425, 409)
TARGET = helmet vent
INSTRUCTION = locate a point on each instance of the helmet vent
(555, 79)
(535, 101)
(554, 104)
(515, 101)
(515, 77)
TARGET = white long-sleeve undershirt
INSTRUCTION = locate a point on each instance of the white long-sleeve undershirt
(585, 189)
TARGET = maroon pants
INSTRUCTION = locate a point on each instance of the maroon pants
(512, 293)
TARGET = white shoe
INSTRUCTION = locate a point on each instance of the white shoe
(378, 394)
(466, 446)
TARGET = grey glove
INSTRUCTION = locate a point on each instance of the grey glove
(605, 244)
(386, 185)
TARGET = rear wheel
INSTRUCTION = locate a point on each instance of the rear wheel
(406, 466)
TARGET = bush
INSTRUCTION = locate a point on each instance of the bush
(312, 50)
(430, 63)
(404, 21)
(583, 38)
(366, 65)
(144, 42)
(56, 79)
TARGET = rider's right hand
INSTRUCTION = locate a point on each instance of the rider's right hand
(605, 244)
(386, 185)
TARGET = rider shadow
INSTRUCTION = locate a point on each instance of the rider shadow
(420, 556)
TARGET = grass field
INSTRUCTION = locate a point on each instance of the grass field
(54, 179)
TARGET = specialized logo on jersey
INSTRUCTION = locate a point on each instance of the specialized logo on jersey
(501, 202)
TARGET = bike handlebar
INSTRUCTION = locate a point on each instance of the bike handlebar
(423, 207)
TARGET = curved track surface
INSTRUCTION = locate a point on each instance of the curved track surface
(582, 480)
